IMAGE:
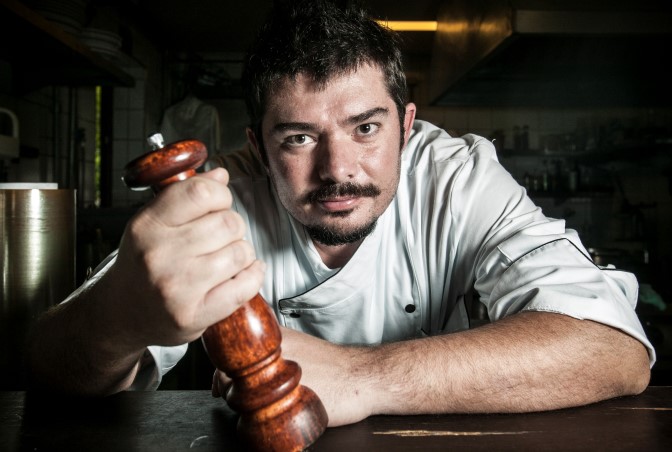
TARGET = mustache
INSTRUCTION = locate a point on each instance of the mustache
(326, 192)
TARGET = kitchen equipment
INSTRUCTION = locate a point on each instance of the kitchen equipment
(543, 53)
(9, 141)
(37, 232)
(70, 15)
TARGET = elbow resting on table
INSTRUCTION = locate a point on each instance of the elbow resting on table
(630, 372)
(640, 374)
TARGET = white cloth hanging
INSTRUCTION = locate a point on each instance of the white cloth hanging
(192, 118)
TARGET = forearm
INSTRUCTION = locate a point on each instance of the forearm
(528, 362)
(77, 348)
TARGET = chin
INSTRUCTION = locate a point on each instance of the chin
(333, 236)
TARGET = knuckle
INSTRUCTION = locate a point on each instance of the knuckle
(136, 226)
(221, 174)
(242, 253)
(205, 192)
(233, 223)
(150, 258)
(167, 287)
(182, 322)
(198, 190)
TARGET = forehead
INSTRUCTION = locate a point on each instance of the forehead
(358, 88)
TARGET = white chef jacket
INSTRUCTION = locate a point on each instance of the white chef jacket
(458, 221)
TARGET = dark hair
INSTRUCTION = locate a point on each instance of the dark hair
(319, 39)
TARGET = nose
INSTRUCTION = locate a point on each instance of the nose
(337, 160)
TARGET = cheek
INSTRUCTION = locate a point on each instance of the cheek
(385, 165)
(286, 176)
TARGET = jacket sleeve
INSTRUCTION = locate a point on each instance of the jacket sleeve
(525, 261)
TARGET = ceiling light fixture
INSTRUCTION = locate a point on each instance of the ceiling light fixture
(410, 25)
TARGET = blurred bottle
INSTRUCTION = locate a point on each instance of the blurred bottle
(556, 178)
(527, 181)
(574, 178)
(517, 139)
(545, 177)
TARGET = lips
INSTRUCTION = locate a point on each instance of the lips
(339, 204)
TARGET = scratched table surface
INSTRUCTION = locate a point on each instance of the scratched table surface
(183, 420)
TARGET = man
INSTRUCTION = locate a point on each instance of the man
(372, 227)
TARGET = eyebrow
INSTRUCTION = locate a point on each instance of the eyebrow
(368, 114)
(299, 126)
(310, 127)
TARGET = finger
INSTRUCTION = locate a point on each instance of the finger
(215, 385)
(224, 299)
(183, 284)
(187, 200)
(220, 383)
(219, 174)
(210, 233)
(201, 274)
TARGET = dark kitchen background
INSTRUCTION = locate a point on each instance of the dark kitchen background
(575, 95)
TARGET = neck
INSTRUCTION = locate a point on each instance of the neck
(336, 256)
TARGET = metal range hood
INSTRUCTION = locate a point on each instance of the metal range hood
(547, 53)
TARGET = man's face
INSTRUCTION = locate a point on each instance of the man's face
(334, 152)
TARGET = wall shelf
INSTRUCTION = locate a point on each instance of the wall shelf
(43, 54)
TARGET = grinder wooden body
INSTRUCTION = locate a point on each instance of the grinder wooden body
(276, 411)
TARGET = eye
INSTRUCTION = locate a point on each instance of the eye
(367, 129)
(297, 140)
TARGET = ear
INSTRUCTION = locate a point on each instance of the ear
(254, 145)
(252, 139)
(409, 117)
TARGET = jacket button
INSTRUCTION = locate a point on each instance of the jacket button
(410, 308)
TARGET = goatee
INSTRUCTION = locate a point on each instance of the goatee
(330, 237)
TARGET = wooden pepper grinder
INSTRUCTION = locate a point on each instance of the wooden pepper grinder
(276, 412)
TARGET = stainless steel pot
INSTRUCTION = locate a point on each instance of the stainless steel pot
(37, 232)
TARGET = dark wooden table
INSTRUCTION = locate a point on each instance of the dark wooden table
(184, 420)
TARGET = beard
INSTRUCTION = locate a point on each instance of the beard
(332, 235)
